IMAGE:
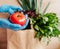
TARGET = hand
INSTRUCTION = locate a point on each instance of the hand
(5, 23)
(10, 9)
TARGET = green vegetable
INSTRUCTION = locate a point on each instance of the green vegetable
(45, 24)
(47, 28)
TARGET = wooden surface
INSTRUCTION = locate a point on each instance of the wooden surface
(3, 33)
(3, 39)
(30, 43)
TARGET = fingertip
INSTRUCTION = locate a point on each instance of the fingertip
(11, 11)
(26, 15)
(20, 8)
(16, 29)
(17, 8)
(27, 22)
(16, 25)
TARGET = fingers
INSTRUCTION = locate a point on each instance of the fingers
(5, 23)
(14, 27)
(9, 8)
(26, 16)
(4, 8)
(16, 8)
(11, 11)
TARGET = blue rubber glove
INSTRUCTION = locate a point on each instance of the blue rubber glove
(10, 9)
(5, 23)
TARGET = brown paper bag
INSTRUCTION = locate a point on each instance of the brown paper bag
(19, 39)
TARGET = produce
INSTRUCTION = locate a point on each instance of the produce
(18, 18)
(44, 24)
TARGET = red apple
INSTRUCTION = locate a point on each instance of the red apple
(18, 18)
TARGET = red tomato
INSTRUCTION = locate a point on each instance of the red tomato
(18, 18)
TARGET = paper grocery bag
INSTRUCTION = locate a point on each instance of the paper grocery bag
(22, 39)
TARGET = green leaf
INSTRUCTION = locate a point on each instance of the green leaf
(30, 3)
(36, 27)
(46, 8)
(51, 29)
(35, 1)
(20, 2)
(33, 5)
(56, 32)
(38, 35)
(41, 6)
(37, 8)
(42, 31)
(44, 24)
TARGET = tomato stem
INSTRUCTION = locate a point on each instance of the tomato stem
(18, 16)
